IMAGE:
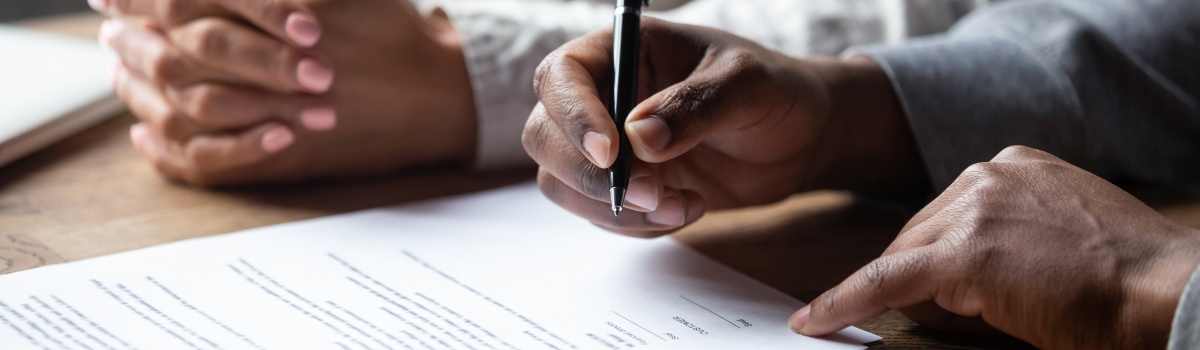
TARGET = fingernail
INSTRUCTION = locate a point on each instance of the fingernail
(277, 139)
(799, 320)
(318, 118)
(597, 146)
(302, 29)
(643, 193)
(669, 213)
(653, 133)
(98, 5)
(314, 75)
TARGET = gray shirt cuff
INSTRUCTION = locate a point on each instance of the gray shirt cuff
(1185, 331)
(967, 98)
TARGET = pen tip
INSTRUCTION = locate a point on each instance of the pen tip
(616, 210)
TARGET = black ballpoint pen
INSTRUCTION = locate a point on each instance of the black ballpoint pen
(626, 42)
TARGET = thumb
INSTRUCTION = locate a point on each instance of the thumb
(676, 119)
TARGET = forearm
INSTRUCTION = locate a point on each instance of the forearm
(874, 150)
(1103, 84)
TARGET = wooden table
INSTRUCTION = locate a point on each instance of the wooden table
(91, 195)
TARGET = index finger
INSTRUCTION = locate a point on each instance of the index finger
(890, 282)
(566, 83)
(285, 20)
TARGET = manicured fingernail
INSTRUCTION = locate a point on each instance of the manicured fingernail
(302, 29)
(643, 192)
(314, 75)
(318, 118)
(799, 320)
(597, 146)
(669, 213)
(98, 5)
(653, 133)
(277, 139)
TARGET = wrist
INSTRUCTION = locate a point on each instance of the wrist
(876, 149)
(1154, 293)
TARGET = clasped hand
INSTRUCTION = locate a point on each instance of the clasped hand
(242, 91)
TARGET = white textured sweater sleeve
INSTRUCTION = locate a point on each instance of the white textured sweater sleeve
(504, 40)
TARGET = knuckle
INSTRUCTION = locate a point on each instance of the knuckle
(166, 66)
(829, 303)
(208, 37)
(687, 104)
(982, 171)
(744, 63)
(199, 164)
(269, 10)
(174, 126)
(544, 72)
(174, 12)
(590, 178)
(279, 63)
(875, 274)
(535, 134)
(202, 103)
(1018, 150)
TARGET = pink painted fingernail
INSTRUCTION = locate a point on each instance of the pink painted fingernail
(318, 118)
(653, 133)
(302, 29)
(98, 5)
(799, 320)
(643, 192)
(277, 139)
(597, 146)
(314, 75)
(669, 213)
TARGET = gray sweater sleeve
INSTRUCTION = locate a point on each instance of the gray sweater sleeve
(1185, 331)
(1111, 86)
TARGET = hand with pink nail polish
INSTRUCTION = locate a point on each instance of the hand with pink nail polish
(296, 89)
(722, 123)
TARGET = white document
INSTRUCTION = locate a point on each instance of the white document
(51, 87)
(504, 269)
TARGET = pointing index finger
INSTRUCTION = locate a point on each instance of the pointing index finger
(890, 282)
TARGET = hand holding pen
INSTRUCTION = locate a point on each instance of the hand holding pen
(722, 122)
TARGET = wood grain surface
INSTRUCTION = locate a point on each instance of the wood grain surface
(90, 195)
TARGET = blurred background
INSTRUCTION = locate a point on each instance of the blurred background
(12, 10)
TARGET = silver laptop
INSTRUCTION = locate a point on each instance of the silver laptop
(51, 87)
